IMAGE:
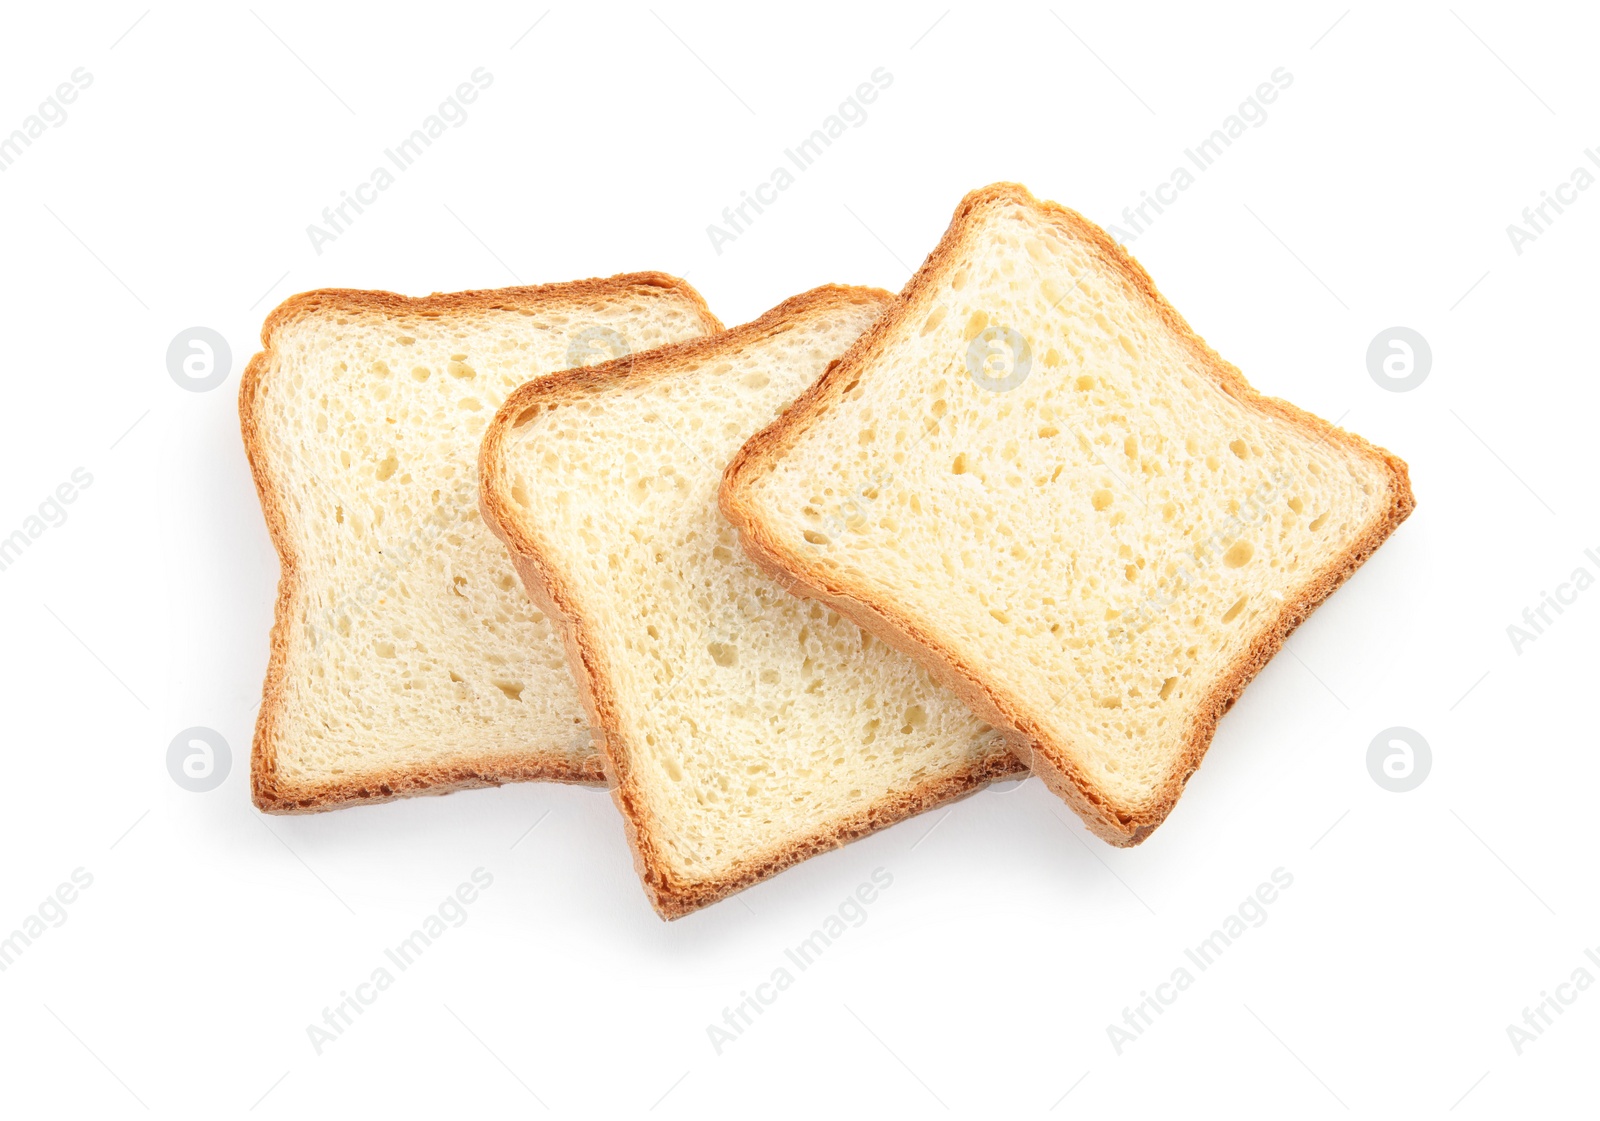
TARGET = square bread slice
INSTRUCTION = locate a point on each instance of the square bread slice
(1033, 475)
(405, 659)
(743, 729)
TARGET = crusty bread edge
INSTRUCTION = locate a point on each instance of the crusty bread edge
(1122, 825)
(270, 792)
(672, 896)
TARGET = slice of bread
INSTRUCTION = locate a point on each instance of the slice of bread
(743, 729)
(1036, 477)
(405, 659)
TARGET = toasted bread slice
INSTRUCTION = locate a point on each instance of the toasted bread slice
(1033, 475)
(743, 729)
(405, 659)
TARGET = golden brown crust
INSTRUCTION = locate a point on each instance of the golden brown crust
(551, 589)
(270, 791)
(1119, 824)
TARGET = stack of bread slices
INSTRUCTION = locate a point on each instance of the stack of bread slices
(787, 583)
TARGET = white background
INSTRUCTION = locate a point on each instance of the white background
(1418, 926)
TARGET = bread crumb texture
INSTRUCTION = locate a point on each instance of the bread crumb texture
(1052, 480)
(748, 722)
(410, 643)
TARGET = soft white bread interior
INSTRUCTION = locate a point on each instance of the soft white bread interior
(1033, 474)
(405, 658)
(745, 729)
